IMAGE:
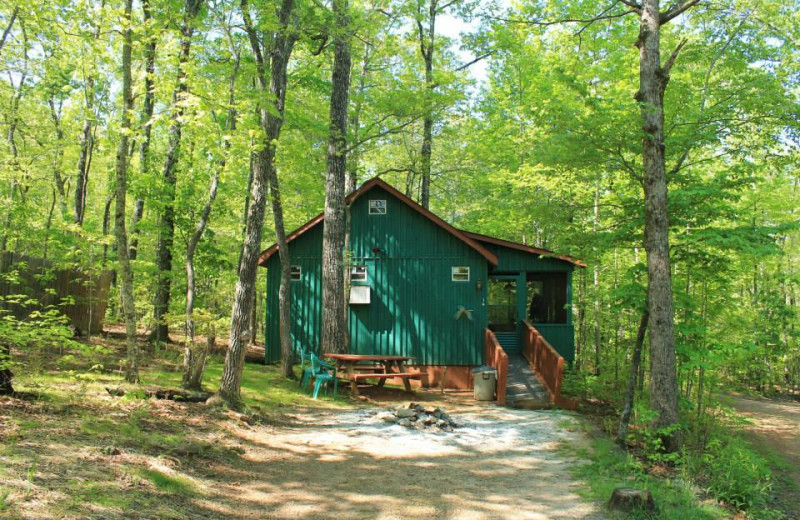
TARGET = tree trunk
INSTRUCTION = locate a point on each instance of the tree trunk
(87, 142)
(426, 42)
(166, 232)
(263, 175)
(652, 82)
(6, 375)
(334, 326)
(55, 116)
(630, 393)
(126, 291)
(148, 104)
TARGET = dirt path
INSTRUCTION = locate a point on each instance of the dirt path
(776, 427)
(503, 464)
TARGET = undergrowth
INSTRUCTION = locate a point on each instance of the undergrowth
(716, 472)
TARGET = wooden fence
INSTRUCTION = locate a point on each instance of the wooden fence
(80, 295)
(547, 363)
(496, 357)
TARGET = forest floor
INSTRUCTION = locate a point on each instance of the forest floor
(69, 450)
(774, 426)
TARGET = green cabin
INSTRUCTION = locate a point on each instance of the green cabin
(422, 288)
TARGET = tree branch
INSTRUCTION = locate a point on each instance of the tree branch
(633, 5)
(586, 21)
(254, 43)
(473, 62)
(672, 57)
(8, 29)
(675, 11)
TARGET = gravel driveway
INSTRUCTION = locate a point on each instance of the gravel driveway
(502, 464)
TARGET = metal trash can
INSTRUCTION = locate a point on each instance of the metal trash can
(485, 382)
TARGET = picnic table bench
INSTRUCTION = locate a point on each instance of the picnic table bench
(359, 367)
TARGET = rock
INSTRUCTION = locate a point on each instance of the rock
(387, 417)
(404, 422)
(110, 451)
(627, 499)
(115, 391)
(405, 412)
(441, 424)
(419, 408)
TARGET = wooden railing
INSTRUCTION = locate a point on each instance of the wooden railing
(547, 363)
(496, 357)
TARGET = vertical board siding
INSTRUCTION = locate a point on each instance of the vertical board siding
(413, 300)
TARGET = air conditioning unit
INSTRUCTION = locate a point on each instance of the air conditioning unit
(359, 295)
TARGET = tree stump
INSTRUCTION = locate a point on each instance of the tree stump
(626, 499)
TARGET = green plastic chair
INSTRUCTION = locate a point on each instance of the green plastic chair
(323, 373)
(305, 366)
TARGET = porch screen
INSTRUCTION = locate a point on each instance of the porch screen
(547, 297)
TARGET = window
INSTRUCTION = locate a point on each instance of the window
(460, 273)
(358, 273)
(296, 272)
(377, 207)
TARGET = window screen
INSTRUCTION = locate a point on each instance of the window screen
(296, 273)
(358, 273)
(377, 207)
(460, 273)
(547, 297)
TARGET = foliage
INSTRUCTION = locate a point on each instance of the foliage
(609, 467)
(733, 472)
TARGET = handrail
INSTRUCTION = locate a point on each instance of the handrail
(496, 357)
(547, 363)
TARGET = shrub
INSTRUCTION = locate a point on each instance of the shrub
(733, 472)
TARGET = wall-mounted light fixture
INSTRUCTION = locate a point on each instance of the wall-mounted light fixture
(479, 285)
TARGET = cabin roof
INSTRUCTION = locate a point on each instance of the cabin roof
(473, 240)
(522, 247)
(377, 182)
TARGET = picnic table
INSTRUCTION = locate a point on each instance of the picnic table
(368, 366)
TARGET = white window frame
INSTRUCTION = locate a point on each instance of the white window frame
(358, 276)
(297, 275)
(378, 208)
(458, 272)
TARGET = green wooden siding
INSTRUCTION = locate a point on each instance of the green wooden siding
(413, 300)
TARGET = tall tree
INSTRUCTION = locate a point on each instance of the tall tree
(87, 134)
(427, 47)
(126, 274)
(166, 230)
(271, 113)
(653, 79)
(334, 318)
(145, 119)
